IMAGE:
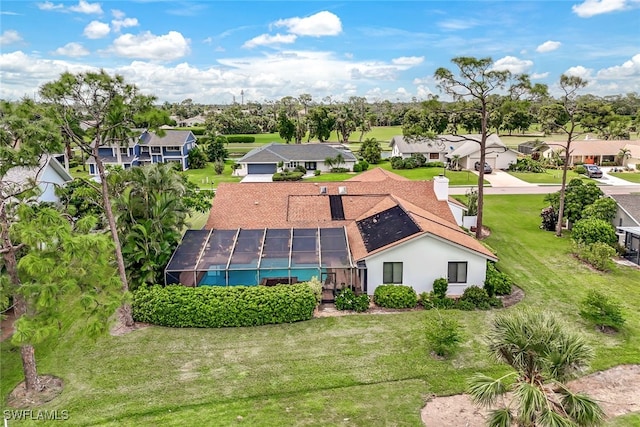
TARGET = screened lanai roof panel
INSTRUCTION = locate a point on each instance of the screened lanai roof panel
(246, 253)
(276, 249)
(304, 247)
(186, 254)
(333, 248)
(217, 251)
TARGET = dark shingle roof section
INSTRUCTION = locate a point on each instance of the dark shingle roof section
(276, 152)
(386, 227)
(337, 209)
(630, 203)
(170, 138)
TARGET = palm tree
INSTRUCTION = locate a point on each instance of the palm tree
(544, 354)
(623, 155)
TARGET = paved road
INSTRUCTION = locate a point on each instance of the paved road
(546, 189)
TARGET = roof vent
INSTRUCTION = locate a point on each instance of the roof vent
(342, 190)
(323, 190)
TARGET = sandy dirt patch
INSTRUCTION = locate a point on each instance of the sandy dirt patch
(617, 390)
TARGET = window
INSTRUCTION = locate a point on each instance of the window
(310, 166)
(434, 156)
(293, 164)
(156, 150)
(457, 272)
(124, 150)
(174, 148)
(392, 272)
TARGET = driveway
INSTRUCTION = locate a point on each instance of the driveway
(257, 177)
(612, 180)
(499, 178)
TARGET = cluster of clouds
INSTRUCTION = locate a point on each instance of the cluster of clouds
(271, 74)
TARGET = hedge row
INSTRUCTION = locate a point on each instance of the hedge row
(215, 307)
(241, 138)
(287, 176)
(395, 296)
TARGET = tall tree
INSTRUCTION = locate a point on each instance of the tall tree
(563, 116)
(544, 354)
(27, 133)
(321, 122)
(476, 80)
(106, 105)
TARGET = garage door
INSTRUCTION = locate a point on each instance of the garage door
(492, 162)
(262, 168)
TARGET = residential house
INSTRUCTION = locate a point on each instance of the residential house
(48, 175)
(462, 149)
(627, 223)
(149, 147)
(596, 151)
(377, 228)
(265, 159)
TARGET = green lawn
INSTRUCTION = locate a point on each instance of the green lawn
(627, 176)
(356, 370)
(549, 176)
(207, 178)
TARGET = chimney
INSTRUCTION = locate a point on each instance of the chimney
(441, 187)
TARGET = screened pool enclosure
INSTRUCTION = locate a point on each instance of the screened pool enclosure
(261, 256)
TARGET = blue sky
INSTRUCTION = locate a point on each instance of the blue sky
(212, 51)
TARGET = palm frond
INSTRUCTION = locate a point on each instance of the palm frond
(500, 418)
(581, 408)
(484, 390)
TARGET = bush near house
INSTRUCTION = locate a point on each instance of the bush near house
(443, 334)
(597, 254)
(216, 307)
(395, 296)
(496, 282)
(591, 230)
(348, 300)
(287, 176)
(602, 311)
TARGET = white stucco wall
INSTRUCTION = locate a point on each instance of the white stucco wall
(457, 211)
(426, 259)
(49, 180)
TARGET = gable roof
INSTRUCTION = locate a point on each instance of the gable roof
(18, 177)
(630, 203)
(303, 205)
(277, 152)
(171, 137)
(597, 147)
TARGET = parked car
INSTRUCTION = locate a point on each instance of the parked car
(593, 171)
(487, 168)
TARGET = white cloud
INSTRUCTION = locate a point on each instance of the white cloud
(321, 24)
(457, 24)
(9, 37)
(72, 49)
(538, 76)
(84, 6)
(423, 92)
(580, 71)
(408, 60)
(627, 70)
(591, 8)
(548, 46)
(512, 64)
(167, 47)
(208, 40)
(96, 30)
(118, 14)
(267, 40)
(124, 23)
(47, 5)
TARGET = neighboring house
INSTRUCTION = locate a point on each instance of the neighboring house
(265, 159)
(48, 175)
(596, 151)
(375, 229)
(198, 120)
(463, 148)
(173, 146)
(627, 223)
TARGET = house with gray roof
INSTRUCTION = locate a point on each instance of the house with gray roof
(265, 159)
(627, 223)
(47, 175)
(172, 146)
(464, 149)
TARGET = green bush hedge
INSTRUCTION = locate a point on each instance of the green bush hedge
(241, 138)
(287, 176)
(497, 283)
(395, 296)
(348, 300)
(215, 307)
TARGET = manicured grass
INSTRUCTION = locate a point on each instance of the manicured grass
(354, 370)
(207, 178)
(627, 176)
(331, 177)
(549, 176)
(77, 172)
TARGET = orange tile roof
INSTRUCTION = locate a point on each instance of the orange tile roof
(300, 204)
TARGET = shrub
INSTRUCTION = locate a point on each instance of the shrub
(443, 334)
(348, 300)
(197, 158)
(241, 138)
(440, 287)
(580, 170)
(526, 164)
(592, 230)
(397, 162)
(364, 164)
(602, 311)
(476, 296)
(357, 167)
(549, 218)
(300, 169)
(316, 286)
(339, 170)
(410, 163)
(424, 299)
(445, 303)
(419, 159)
(598, 255)
(317, 172)
(465, 305)
(395, 296)
(499, 283)
(495, 302)
(287, 176)
(214, 307)
(218, 168)
(434, 165)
